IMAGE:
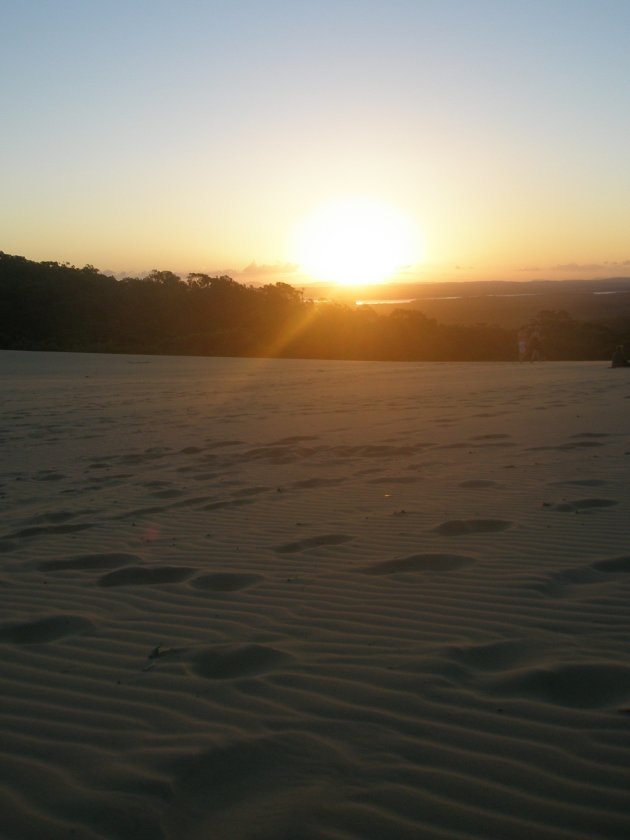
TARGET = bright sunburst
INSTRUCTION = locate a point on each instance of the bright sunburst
(355, 241)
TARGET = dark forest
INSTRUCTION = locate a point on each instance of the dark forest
(58, 307)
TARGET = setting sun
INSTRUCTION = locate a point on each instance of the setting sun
(355, 241)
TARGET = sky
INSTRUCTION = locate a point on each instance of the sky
(198, 135)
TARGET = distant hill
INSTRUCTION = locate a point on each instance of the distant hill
(48, 306)
(508, 304)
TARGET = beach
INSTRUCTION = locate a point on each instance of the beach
(254, 599)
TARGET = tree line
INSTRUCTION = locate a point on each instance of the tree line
(53, 306)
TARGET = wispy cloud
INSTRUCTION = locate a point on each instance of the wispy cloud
(602, 266)
(256, 270)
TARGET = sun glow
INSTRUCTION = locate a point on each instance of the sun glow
(355, 241)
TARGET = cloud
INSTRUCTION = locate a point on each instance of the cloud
(578, 267)
(255, 270)
(603, 266)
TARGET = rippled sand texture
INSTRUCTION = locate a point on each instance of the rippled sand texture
(302, 600)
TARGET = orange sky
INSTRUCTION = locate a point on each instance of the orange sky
(198, 137)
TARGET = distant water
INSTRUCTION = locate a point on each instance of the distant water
(393, 300)
(441, 297)
(462, 297)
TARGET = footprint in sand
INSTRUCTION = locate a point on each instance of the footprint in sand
(461, 527)
(563, 584)
(268, 776)
(146, 575)
(584, 685)
(582, 482)
(251, 491)
(309, 483)
(478, 483)
(142, 457)
(584, 504)
(419, 563)
(220, 444)
(44, 630)
(496, 441)
(138, 512)
(187, 502)
(616, 565)
(168, 493)
(460, 445)
(225, 581)
(572, 444)
(276, 454)
(88, 562)
(56, 517)
(228, 503)
(292, 439)
(230, 662)
(396, 479)
(48, 530)
(47, 475)
(580, 444)
(494, 656)
(312, 542)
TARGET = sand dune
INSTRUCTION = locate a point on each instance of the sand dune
(291, 600)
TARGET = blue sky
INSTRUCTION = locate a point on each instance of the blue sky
(196, 135)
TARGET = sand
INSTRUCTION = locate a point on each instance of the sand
(303, 600)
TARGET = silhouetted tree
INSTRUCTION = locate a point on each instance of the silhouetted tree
(53, 306)
(562, 337)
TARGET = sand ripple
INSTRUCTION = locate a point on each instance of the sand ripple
(287, 600)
